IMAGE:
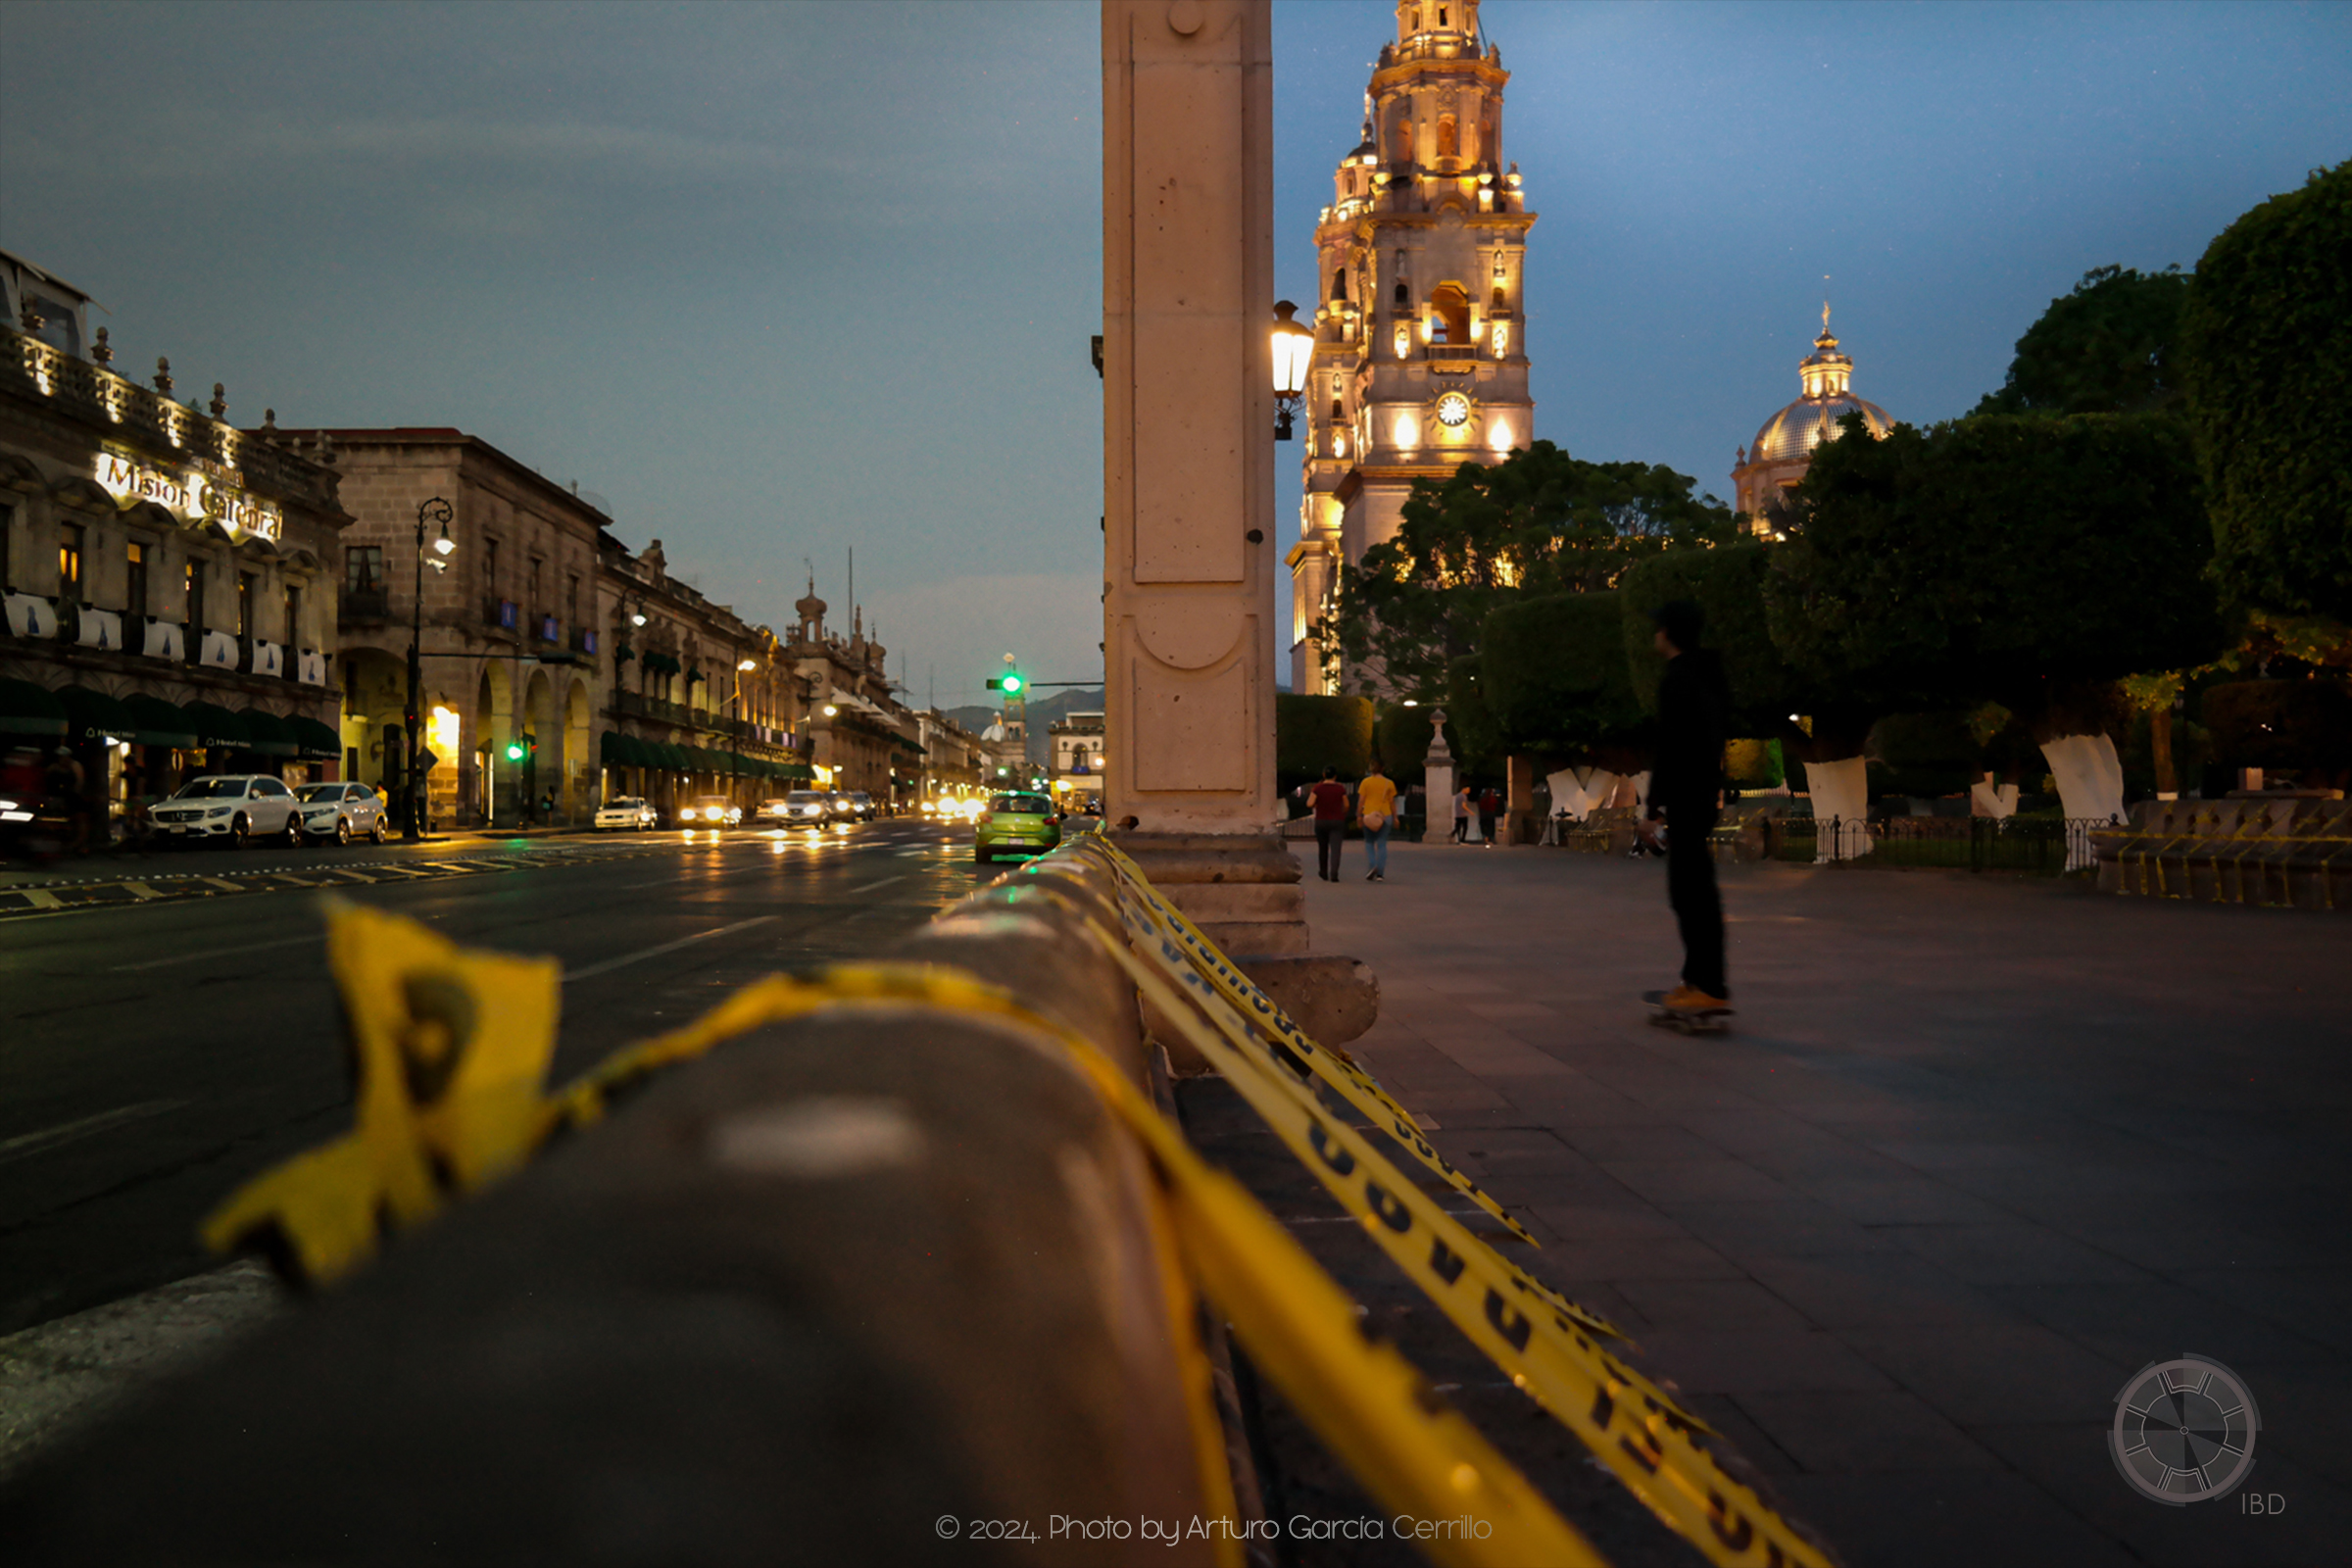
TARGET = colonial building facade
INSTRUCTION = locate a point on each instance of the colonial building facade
(168, 577)
(1420, 361)
(1784, 449)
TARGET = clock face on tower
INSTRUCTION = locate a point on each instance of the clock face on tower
(1453, 409)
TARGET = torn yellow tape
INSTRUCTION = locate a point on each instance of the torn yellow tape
(1335, 1067)
(1637, 1431)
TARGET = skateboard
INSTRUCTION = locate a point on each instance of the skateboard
(1712, 1021)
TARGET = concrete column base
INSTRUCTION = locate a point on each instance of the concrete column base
(1240, 889)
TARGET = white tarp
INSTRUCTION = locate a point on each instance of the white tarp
(1841, 793)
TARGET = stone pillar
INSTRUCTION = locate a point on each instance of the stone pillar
(1437, 783)
(1188, 455)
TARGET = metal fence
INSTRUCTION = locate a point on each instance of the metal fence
(2037, 845)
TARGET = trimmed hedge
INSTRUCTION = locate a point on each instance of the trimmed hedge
(1555, 677)
(1313, 733)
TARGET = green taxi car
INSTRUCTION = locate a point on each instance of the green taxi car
(1022, 823)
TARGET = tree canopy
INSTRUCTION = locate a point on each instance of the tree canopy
(1727, 583)
(1554, 674)
(2109, 347)
(2029, 561)
(1540, 523)
(2267, 362)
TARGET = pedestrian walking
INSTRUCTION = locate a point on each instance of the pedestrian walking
(1461, 814)
(1376, 811)
(1694, 712)
(1330, 802)
(1489, 805)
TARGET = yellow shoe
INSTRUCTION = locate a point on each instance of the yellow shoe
(1689, 999)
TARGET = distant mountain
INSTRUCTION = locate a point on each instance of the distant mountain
(1043, 711)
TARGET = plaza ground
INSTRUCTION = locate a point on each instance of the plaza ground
(1976, 1149)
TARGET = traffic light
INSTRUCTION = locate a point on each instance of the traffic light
(515, 751)
(1009, 683)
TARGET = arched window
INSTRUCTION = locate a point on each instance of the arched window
(1404, 293)
(1452, 311)
(1339, 285)
(1449, 137)
(1401, 140)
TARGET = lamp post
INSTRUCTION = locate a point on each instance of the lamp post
(1294, 348)
(735, 750)
(412, 809)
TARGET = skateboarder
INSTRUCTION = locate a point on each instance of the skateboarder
(1694, 710)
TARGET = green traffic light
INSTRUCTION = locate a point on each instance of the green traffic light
(513, 751)
(1012, 684)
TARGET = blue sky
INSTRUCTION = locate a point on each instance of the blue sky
(778, 280)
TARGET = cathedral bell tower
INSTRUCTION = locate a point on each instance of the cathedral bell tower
(1420, 358)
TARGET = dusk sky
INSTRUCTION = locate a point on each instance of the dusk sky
(779, 280)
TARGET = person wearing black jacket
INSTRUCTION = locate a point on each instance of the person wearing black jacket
(1684, 785)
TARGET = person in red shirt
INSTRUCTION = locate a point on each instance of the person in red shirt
(1330, 802)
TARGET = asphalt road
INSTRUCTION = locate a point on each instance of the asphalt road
(153, 1056)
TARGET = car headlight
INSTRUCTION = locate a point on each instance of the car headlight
(220, 811)
(686, 814)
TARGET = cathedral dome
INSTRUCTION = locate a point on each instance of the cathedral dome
(1794, 431)
(1806, 424)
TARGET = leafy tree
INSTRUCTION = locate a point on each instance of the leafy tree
(1400, 738)
(2109, 347)
(1313, 733)
(1540, 523)
(1471, 733)
(1554, 675)
(2030, 561)
(2267, 362)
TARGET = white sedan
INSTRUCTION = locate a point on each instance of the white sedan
(629, 815)
(231, 809)
(341, 811)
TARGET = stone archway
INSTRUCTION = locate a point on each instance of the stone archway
(491, 791)
(581, 796)
(375, 693)
(540, 767)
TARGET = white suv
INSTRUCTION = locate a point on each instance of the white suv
(229, 809)
(342, 811)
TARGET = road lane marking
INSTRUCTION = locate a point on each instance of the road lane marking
(141, 891)
(43, 899)
(885, 882)
(28, 1144)
(219, 953)
(627, 958)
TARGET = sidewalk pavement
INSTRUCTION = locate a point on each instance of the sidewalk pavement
(1976, 1149)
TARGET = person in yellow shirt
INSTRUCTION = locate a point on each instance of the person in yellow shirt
(1376, 814)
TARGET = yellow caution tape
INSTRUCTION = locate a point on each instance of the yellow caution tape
(440, 1112)
(1284, 1037)
(449, 1052)
(1639, 1432)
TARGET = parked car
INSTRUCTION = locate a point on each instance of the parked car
(1019, 821)
(861, 806)
(626, 814)
(230, 809)
(342, 811)
(711, 810)
(807, 808)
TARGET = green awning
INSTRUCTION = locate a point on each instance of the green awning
(92, 713)
(623, 751)
(673, 757)
(29, 710)
(268, 734)
(218, 727)
(160, 723)
(797, 772)
(312, 738)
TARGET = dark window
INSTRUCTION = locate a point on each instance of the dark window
(134, 557)
(68, 560)
(293, 615)
(1404, 295)
(490, 565)
(572, 600)
(245, 581)
(363, 568)
(538, 605)
(195, 615)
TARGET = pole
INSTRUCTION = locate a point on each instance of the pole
(411, 810)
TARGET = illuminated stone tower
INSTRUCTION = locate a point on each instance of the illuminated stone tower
(1420, 360)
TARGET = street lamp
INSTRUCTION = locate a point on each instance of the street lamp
(1293, 346)
(411, 808)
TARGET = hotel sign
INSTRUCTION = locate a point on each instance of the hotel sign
(193, 495)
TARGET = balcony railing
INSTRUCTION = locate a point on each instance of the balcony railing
(500, 614)
(366, 604)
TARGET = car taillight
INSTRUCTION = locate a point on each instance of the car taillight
(983, 815)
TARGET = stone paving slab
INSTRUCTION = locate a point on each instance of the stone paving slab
(1975, 1149)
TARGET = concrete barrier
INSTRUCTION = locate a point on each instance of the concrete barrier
(840, 1291)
